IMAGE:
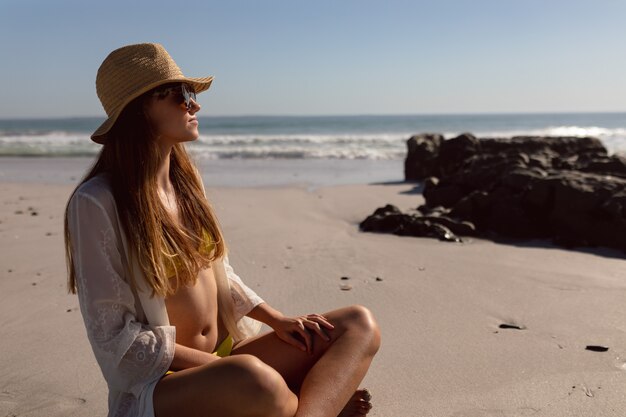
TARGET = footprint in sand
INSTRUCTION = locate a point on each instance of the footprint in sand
(596, 348)
(511, 325)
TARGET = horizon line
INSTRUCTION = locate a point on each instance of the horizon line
(480, 113)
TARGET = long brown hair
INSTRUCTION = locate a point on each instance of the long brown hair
(131, 158)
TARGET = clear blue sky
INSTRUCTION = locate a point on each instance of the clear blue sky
(326, 56)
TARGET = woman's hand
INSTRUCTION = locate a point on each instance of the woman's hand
(287, 327)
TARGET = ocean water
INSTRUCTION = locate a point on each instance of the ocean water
(373, 137)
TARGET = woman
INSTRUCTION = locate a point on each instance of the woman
(173, 328)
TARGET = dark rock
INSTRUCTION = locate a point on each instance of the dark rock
(422, 156)
(443, 195)
(457, 227)
(454, 152)
(446, 157)
(405, 224)
(430, 211)
(564, 188)
(389, 208)
(614, 165)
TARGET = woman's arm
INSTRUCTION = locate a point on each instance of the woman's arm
(186, 357)
(265, 313)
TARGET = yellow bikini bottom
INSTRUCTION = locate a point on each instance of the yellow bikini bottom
(223, 349)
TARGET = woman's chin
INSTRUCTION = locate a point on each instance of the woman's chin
(192, 136)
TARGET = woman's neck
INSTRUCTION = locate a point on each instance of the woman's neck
(163, 174)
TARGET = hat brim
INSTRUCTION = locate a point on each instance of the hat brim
(199, 84)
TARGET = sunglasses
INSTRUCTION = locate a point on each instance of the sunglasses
(183, 93)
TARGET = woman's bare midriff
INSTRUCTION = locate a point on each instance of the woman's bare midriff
(193, 310)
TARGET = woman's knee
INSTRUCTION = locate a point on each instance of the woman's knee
(262, 384)
(361, 318)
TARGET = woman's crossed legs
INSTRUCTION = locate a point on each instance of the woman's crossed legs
(265, 376)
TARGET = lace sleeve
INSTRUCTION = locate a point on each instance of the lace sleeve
(129, 353)
(244, 297)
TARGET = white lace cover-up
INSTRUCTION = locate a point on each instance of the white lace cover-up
(132, 354)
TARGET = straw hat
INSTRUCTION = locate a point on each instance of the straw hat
(130, 71)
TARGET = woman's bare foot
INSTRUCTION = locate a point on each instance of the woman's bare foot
(358, 405)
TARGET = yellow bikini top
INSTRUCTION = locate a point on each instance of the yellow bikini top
(206, 247)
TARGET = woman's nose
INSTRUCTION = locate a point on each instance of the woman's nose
(195, 107)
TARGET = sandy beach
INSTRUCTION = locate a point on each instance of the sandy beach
(439, 305)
